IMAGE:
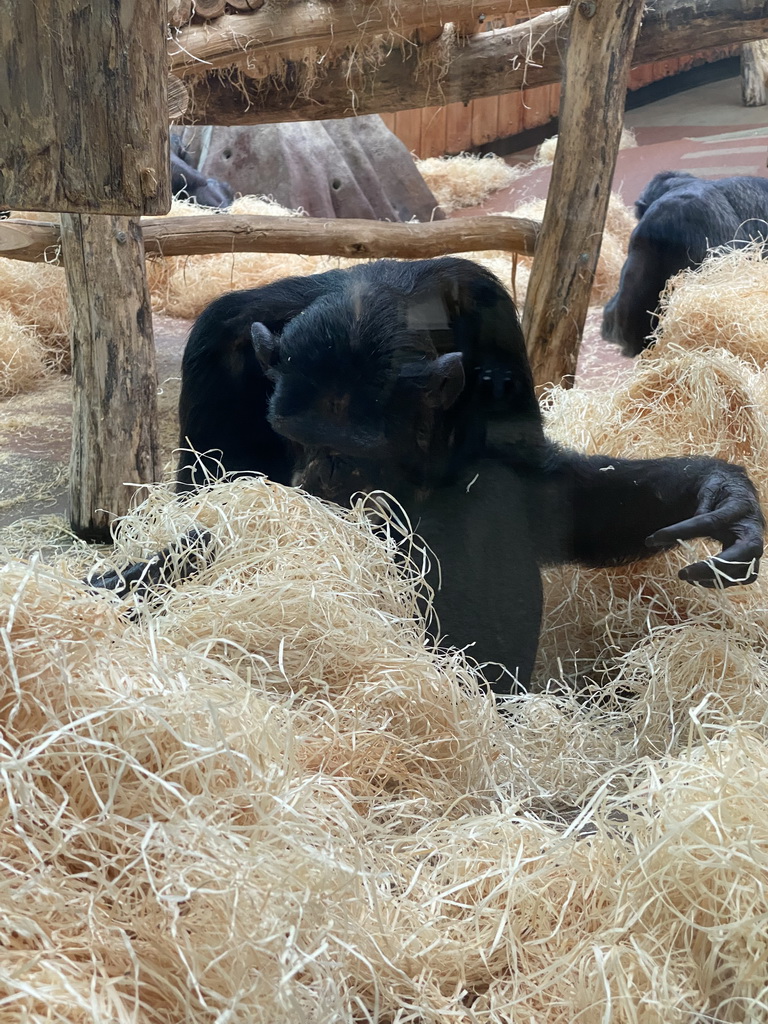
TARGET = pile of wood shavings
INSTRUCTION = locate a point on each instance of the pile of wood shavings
(263, 797)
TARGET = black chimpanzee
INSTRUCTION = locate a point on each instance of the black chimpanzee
(189, 183)
(412, 377)
(679, 217)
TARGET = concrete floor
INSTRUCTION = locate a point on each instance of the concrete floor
(716, 103)
(704, 130)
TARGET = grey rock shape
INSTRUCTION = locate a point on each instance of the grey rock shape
(352, 167)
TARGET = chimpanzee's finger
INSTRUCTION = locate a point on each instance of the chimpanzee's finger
(726, 521)
(718, 573)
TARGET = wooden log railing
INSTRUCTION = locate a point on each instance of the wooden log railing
(490, 63)
(34, 241)
(288, 31)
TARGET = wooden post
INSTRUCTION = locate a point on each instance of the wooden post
(597, 63)
(114, 421)
(754, 70)
(83, 106)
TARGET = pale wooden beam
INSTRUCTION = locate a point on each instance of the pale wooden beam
(602, 38)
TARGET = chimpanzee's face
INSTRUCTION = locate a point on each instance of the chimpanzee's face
(350, 386)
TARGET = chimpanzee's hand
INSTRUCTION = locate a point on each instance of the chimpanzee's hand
(180, 560)
(728, 510)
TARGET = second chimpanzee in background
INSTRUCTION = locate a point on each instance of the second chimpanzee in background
(679, 217)
(188, 183)
(412, 377)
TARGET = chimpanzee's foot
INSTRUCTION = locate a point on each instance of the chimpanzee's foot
(184, 558)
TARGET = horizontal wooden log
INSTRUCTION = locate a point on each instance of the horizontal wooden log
(210, 8)
(491, 63)
(246, 5)
(179, 12)
(284, 31)
(33, 241)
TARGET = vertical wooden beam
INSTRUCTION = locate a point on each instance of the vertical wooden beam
(601, 42)
(114, 427)
(754, 68)
(83, 106)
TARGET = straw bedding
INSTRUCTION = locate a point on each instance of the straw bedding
(721, 304)
(35, 294)
(545, 154)
(465, 180)
(183, 286)
(22, 357)
(263, 797)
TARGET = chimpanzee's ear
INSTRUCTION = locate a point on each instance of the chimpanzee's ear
(265, 346)
(445, 380)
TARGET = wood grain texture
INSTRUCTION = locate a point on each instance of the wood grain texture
(754, 71)
(114, 414)
(209, 8)
(489, 64)
(602, 38)
(83, 106)
(311, 236)
(288, 30)
(179, 12)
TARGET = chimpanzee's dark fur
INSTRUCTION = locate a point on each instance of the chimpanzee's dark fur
(351, 380)
(189, 183)
(680, 217)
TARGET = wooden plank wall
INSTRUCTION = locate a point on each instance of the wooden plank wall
(435, 131)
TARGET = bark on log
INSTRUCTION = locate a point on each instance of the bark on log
(602, 38)
(179, 12)
(310, 236)
(246, 5)
(210, 8)
(754, 71)
(83, 107)
(277, 30)
(114, 416)
(489, 64)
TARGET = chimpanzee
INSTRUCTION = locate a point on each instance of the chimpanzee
(412, 377)
(679, 217)
(189, 183)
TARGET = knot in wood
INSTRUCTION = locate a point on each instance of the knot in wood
(588, 8)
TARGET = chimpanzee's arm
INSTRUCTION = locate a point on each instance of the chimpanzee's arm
(606, 511)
